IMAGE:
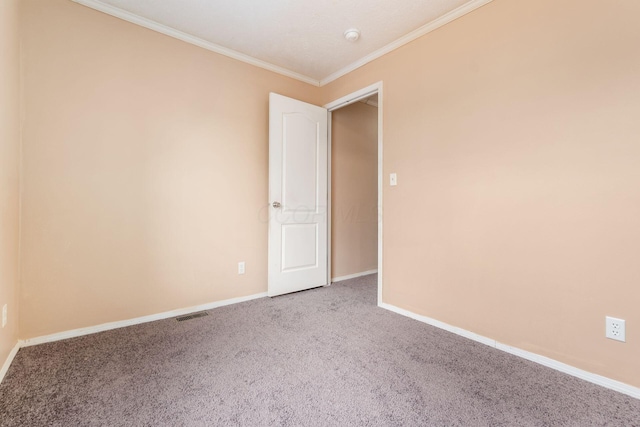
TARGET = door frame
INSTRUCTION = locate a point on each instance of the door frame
(332, 106)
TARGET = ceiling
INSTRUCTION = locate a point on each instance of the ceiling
(300, 38)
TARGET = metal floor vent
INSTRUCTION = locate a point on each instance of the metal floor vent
(192, 316)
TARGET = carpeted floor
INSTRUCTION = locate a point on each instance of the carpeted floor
(324, 357)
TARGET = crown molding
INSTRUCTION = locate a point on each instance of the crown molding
(155, 26)
(168, 31)
(425, 29)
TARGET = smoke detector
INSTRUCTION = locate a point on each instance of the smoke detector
(352, 34)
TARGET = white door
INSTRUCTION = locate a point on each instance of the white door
(297, 195)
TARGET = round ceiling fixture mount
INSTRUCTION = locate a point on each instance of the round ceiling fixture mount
(352, 34)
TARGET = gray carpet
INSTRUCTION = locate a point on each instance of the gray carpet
(324, 357)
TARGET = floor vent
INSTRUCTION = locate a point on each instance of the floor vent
(192, 316)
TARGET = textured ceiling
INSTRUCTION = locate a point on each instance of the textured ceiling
(302, 36)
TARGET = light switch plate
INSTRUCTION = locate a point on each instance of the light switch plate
(393, 179)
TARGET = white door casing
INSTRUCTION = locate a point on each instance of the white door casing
(298, 148)
(343, 102)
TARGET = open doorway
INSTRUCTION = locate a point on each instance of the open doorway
(355, 186)
(354, 190)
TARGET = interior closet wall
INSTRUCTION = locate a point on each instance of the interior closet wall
(354, 189)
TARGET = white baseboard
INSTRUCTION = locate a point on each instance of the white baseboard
(542, 360)
(7, 363)
(136, 321)
(353, 276)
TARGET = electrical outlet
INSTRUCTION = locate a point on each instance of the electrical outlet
(4, 315)
(615, 329)
(241, 267)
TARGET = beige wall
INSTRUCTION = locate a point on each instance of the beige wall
(145, 170)
(9, 167)
(514, 133)
(354, 189)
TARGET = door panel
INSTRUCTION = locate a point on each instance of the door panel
(299, 246)
(300, 151)
(297, 195)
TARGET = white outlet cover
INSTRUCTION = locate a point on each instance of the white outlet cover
(241, 267)
(615, 329)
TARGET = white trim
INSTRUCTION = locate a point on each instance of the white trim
(419, 32)
(609, 383)
(119, 324)
(353, 276)
(343, 102)
(7, 363)
(329, 242)
(354, 97)
(136, 321)
(168, 31)
(155, 26)
(380, 188)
